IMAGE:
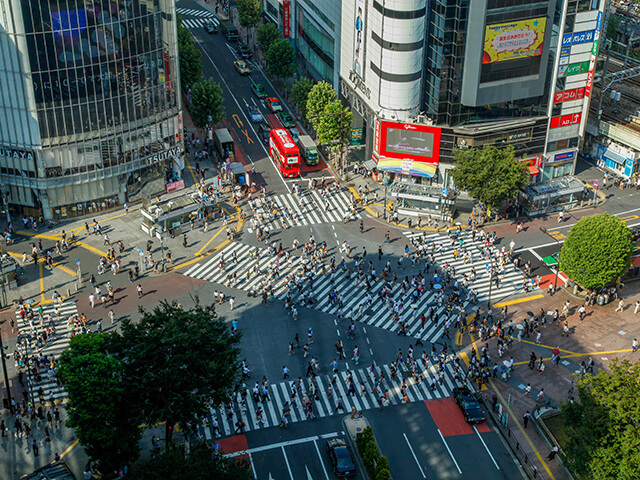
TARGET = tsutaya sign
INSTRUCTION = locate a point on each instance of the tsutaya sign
(172, 152)
(358, 84)
(12, 153)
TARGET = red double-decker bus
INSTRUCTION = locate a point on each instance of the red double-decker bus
(284, 152)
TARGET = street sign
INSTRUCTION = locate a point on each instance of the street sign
(595, 184)
(444, 190)
(78, 261)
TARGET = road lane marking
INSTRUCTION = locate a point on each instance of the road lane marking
(486, 448)
(450, 453)
(326, 475)
(414, 455)
(286, 460)
(518, 300)
(236, 119)
(297, 441)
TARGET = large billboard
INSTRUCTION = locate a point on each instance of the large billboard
(514, 40)
(407, 141)
(358, 37)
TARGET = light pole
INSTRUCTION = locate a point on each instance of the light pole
(491, 271)
(555, 281)
(6, 377)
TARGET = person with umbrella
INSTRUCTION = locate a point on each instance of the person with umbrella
(555, 356)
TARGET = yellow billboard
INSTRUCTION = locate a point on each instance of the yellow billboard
(513, 40)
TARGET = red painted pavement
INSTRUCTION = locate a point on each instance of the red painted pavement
(449, 418)
(237, 443)
(549, 279)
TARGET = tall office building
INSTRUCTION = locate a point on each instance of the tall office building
(90, 115)
(427, 78)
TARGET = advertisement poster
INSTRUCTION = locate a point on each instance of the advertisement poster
(358, 37)
(514, 40)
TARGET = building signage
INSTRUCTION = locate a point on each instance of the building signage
(563, 156)
(514, 40)
(573, 69)
(160, 156)
(285, 18)
(376, 137)
(578, 38)
(13, 153)
(174, 186)
(587, 89)
(568, 95)
(359, 37)
(358, 84)
(408, 141)
(564, 120)
(565, 51)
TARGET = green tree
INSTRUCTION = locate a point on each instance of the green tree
(206, 102)
(597, 251)
(98, 406)
(179, 362)
(321, 95)
(280, 59)
(248, 12)
(267, 33)
(489, 175)
(333, 125)
(300, 93)
(602, 426)
(189, 56)
(201, 463)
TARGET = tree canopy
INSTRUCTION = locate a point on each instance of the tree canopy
(189, 56)
(98, 406)
(180, 363)
(207, 101)
(335, 124)
(597, 251)
(280, 59)
(489, 175)
(321, 95)
(170, 366)
(267, 33)
(602, 425)
(300, 93)
(201, 463)
(248, 12)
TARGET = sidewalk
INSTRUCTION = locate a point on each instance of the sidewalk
(592, 338)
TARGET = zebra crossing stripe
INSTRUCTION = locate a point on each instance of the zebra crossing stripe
(194, 12)
(324, 405)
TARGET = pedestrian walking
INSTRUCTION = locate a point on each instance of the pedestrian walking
(92, 300)
(637, 307)
(34, 446)
(111, 316)
(527, 390)
(540, 395)
(634, 345)
(285, 372)
(139, 289)
(231, 303)
(553, 452)
(525, 418)
(620, 307)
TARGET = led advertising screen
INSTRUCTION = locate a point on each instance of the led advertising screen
(514, 40)
(408, 141)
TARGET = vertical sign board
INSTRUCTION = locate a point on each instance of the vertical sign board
(285, 18)
(591, 72)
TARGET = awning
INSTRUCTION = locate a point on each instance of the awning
(369, 165)
(614, 157)
(533, 170)
(407, 167)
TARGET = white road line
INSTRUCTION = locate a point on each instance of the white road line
(533, 252)
(486, 448)
(414, 455)
(288, 443)
(286, 460)
(573, 224)
(450, 453)
(326, 475)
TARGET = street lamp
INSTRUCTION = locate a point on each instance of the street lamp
(555, 281)
(491, 272)
(6, 377)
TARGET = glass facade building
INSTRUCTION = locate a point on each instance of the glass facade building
(94, 116)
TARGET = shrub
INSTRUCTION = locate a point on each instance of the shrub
(383, 474)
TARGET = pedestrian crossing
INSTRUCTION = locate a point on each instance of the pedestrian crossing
(31, 342)
(193, 12)
(252, 271)
(308, 209)
(197, 23)
(432, 385)
(509, 280)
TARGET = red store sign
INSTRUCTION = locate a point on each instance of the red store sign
(285, 18)
(568, 95)
(565, 120)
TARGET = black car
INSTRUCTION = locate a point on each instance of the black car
(343, 465)
(469, 405)
(244, 51)
(264, 131)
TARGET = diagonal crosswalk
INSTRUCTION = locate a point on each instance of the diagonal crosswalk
(251, 267)
(55, 319)
(428, 383)
(309, 209)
